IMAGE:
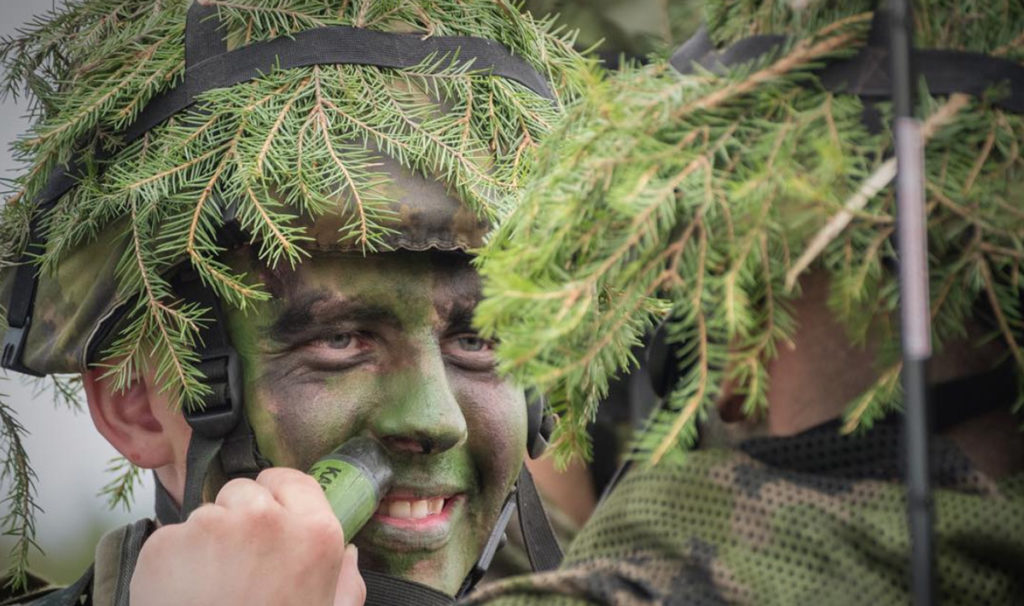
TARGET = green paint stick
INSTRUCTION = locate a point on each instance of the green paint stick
(355, 478)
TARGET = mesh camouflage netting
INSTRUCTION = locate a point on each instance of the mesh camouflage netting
(814, 519)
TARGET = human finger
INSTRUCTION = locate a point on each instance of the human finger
(242, 493)
(351, 588)
(296, 491)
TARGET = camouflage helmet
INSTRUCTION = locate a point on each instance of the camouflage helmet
(170, 124)
(634, 28)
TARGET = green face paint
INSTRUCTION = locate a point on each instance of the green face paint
(382, 346)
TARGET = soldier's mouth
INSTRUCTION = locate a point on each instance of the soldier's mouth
(416, 512)
(407, 523)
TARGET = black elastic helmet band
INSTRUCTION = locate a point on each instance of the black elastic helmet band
(335, 45)
(867, 74)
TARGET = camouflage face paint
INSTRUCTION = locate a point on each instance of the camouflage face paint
(382, 346)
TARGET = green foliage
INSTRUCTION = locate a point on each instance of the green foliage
(975, 25)
(699, 194)
(121, 490)
(65, 391)
(19, 520)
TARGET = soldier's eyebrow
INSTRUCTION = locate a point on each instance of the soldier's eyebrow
(460, 316)
(313, 311)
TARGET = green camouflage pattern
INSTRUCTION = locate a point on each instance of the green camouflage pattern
(72, 302)
(724, 527)
(634, 27)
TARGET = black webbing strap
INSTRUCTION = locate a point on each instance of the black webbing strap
(222, 409)
(322, 46)
(966, 398)
(541, 545)
(386, 590)
(494, 542)
(203, 38)
(867, 73)
(239, 454)
(131, 545)
(700, 51)
(70, 595)
(167, 511)
(201, 453)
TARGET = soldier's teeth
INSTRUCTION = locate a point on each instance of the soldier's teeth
(420, 508)
(399, 509)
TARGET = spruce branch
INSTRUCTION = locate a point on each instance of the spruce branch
(65, 390)
(804, 52)
(19, 521)
(997, 307)
(699, 193)
(120, 491)
(878, 180)
(866, 408)
(686, 418)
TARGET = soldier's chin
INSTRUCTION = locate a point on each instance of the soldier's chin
(441, 567)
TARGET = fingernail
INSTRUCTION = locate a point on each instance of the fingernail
(352, 552)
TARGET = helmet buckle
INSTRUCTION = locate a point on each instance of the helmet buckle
(222, 407)
(14, 348)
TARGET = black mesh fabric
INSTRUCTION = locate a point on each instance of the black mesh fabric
(817, 518)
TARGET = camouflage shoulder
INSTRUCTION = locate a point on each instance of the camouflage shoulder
(553, 588)
(35, 587)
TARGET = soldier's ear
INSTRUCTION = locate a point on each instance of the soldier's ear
(137, 421)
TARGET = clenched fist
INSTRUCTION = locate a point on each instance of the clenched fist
(271, 541)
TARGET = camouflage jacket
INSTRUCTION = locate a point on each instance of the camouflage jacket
(816, 518)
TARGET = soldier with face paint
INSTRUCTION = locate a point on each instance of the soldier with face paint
(249, 226)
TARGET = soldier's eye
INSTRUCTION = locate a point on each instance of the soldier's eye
(470, 351)
(339, 341)
(472, 343)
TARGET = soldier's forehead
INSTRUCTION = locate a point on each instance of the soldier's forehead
(377, 287)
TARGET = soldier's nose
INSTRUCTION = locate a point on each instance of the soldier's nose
(421, 414)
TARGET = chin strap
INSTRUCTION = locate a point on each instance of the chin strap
(220, 430)
(542, 547)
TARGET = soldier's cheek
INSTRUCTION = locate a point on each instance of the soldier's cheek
(297, 422)
(495, 413)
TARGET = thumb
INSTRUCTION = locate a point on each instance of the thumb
(351, 589)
